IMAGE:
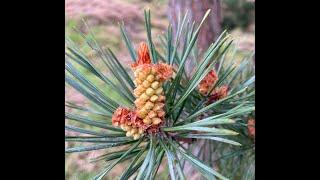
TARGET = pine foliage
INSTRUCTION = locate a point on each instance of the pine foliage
(210, 133)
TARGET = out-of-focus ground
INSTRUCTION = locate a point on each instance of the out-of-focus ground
(103, 17)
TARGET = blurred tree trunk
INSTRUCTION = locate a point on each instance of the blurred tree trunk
(210, 29)
(209, 32)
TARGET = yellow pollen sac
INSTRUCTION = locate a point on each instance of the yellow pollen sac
(129, 128)
(159, 90)
(153, 71)
(122, 126)
(140, 131)
(134, 130)
(155, 85)
(128, 134)
(139, 81)
(139, 102)
(126, 127)
(142, 113)
(150, 78)
(161, 98)
(136, 136)
(158, 106)
(149, 105)
(154, 98)
(146, 84)
(136, 73)
(161, 113)
(152, 114)
(144, 97)
(156, 121)
(150, 91)
(140, 88)
(142, 75)
(138, 91)
(147, 120)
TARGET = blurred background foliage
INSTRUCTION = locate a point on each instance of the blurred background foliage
(238, 14)
(103, 16)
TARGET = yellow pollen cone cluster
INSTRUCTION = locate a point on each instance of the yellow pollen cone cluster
(148, 113)
(149, 95)
(128, 121)
(133, 131)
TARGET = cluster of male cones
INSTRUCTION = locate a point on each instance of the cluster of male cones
(148, 114)
(208, 82)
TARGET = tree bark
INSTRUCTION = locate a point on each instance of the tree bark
(210, 29)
